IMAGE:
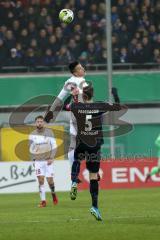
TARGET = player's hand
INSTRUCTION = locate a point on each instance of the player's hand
(124, 106)
(117, 106)
(49, 161)
(75, 91)
(48, 116)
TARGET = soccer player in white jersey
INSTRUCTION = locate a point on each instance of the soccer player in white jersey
(76, 81)
(43, 149)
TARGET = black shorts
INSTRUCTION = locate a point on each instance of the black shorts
(90, 154)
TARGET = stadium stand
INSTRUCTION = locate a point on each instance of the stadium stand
(31, 33)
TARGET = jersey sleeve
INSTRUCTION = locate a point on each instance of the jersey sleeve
(109, 107)
(31, 147)
(65, 90)
(53, 144)
(73, 125)
(63, 93)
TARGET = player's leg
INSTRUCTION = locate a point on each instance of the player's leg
(71, 156)
(71, 160)
(78, 156)
(52, 188)
(154, 171)
(42, 191)
(93, 165)
(94, 189)
(72, 145)
(49, 176)
(39, 169)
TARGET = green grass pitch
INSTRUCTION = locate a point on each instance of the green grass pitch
(127, 215)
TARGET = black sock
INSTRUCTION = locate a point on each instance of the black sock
(94, 192)
(75, 170)
(52, 187)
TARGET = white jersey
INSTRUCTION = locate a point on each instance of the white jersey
(78, 82)
(73, 81)
(42, 144)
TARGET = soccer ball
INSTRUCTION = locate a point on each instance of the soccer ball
(66, 15)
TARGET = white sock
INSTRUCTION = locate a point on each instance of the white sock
(42, 192)
(71, 157)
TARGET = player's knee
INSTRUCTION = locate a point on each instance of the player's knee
(50, 181)
(41, 181)
(52, 187)
(93, 176)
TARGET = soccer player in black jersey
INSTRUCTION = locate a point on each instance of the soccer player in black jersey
(87, 118)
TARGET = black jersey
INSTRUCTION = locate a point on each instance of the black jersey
(89, 121)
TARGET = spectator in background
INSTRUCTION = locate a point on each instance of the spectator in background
(42, 39)
(135, 27)
(3, 53)
(157, 41)
(132, 48)
(35, 47)
(147, 50)
(115, 15)
(82, 5)
(31, 14)
(138, 54)
(3, 30)
(42, 18)
(20, 53)
(156, 56)
(91, 52)
(49, 30)
(14, 59)
(30, 59)
(24, 38)
(74, 49)
(32, 31)
(77, 30)
(83, 58)
(81, 18)
(10, 41)
(123, 36)
(152, 32)
(115, 49)
(48, 59)
(53, 43)
(123, 57)
(59, 36)
(16, 29)
(63, 56)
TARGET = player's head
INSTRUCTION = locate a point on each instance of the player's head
(39, 120)
(88, 93)
(77, 69)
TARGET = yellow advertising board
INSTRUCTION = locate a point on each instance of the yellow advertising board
(15, 143)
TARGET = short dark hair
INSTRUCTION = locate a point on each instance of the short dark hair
(72, 66)
(39, 117)
(88, 92)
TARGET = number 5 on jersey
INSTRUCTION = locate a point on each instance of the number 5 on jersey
(88, 123)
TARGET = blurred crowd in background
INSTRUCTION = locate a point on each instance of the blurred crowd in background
(31, 33)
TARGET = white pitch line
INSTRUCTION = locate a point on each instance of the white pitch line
(135, 217)
(78, 219)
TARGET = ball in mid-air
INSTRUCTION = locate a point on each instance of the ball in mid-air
(66, 16)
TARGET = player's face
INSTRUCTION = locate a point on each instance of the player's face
(79, 71)
(40, 123)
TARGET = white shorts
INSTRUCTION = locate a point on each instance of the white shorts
(43, 169)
